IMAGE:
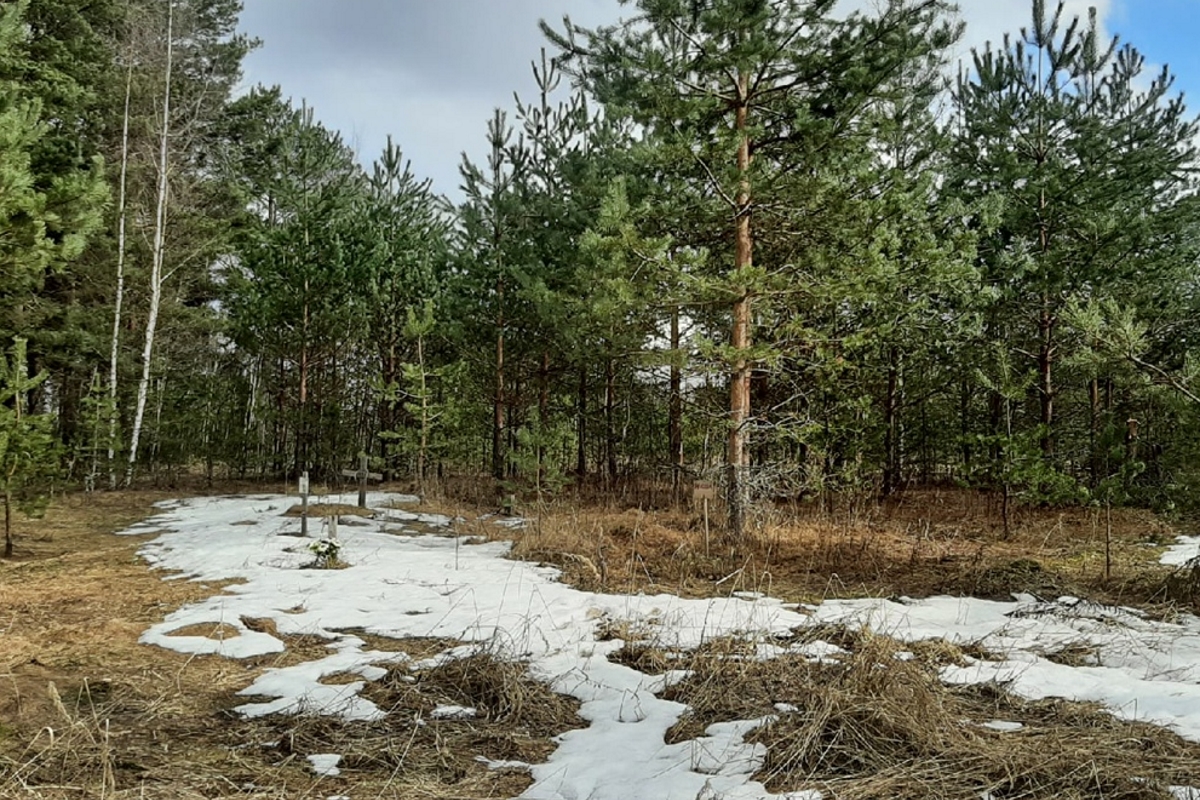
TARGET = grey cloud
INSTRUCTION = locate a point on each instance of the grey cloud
(430, 72)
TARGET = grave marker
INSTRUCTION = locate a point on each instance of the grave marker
(362, 475)
(304, 503)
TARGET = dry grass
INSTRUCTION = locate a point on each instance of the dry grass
(871, 725)
(924, 543)
(328, 510)
(88, 712)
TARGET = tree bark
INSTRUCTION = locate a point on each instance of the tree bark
(422, 451)
(156, 264)
(498, 399)
(543, 414)
(8, 540)
(739, 382)
(581, 412)
(891, 431)
(1094, 414)
(114, 350)
(1046, 378)
(498, 417)
(610, 430)
(675, 412)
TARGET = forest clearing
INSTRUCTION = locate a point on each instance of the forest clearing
(432, 662)
(783, 399)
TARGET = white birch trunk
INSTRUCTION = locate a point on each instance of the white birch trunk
(160, 222)
(116, 333)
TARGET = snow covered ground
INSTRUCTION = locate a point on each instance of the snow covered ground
(1183, 551)
(424, 585)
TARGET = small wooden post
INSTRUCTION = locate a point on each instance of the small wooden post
(703, 492)
(333, 525)
(362, 480)
(304, 503)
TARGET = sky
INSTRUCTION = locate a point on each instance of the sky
(431, 72)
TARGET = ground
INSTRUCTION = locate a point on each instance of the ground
(86, 710)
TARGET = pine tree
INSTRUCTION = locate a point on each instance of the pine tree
(404, 275)
(1089, 164)
(49, 202)
(293, 293)
(746, 91)
(29, 452)
(488, 216)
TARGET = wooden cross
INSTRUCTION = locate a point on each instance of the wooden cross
(362, 475)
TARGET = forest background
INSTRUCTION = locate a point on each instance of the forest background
(754, 242)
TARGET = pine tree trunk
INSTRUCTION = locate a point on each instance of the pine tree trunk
(156, 264)
(581, 412)
(610, 430)
(498, 399)
(498, 416)
(964, 430)
(422, 451)
(8, 540)
(543, 414)
(302, 428)
(1094, 430)
(891, 431)
(739, 383)
(114, 350)
(7, 525)
(387, 409)
(281, 431)
(1046, 378)
(675, 412)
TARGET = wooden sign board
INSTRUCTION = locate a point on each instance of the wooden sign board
(703, 490)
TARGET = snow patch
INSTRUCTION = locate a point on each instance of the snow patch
(325, 764)
(430, 586)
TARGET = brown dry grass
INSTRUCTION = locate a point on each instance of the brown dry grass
(135, 721)
(869, 725)
(86, 711)
(923, 543)
(328, 510)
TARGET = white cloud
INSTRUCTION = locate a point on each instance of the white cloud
(430, 73)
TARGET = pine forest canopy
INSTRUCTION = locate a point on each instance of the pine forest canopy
(759, 242)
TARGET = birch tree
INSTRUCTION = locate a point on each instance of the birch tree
(158, 249)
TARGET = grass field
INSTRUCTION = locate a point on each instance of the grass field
(87, 711)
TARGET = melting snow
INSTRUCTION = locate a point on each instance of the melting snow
(453, 712)
(1185, 549)
(325, 764)
(442, 586)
